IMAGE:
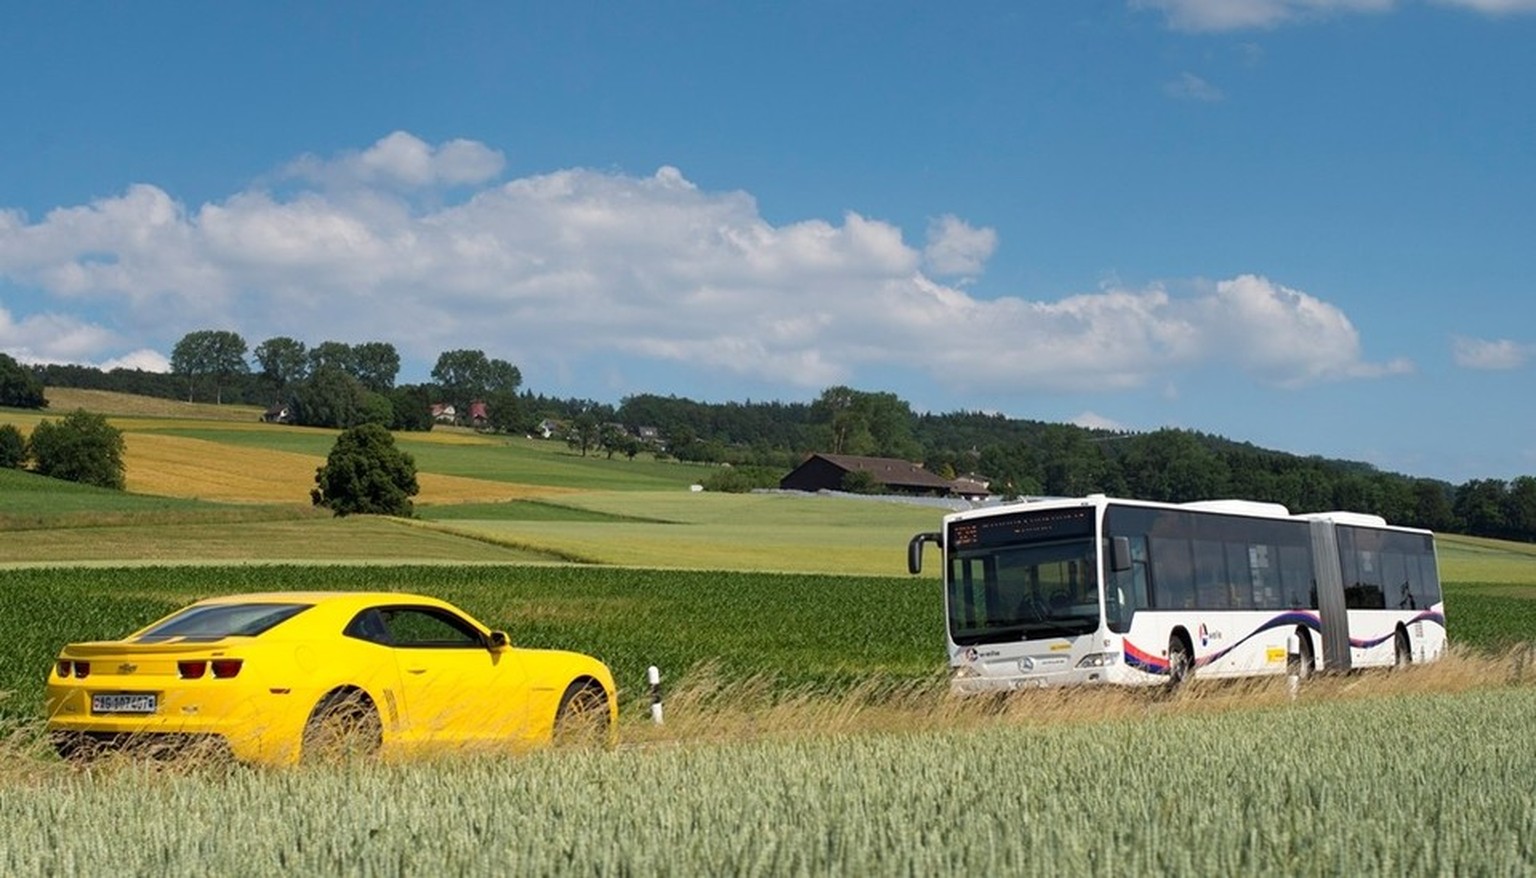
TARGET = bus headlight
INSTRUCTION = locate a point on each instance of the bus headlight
(965, 672)
(1097, 660)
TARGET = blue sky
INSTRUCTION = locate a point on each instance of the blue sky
(1307, 224)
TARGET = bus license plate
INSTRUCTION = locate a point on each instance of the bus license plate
(125, 702)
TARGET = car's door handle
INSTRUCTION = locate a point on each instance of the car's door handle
(415, 670)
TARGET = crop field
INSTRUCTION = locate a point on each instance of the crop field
(809, 728)
(1364, 783)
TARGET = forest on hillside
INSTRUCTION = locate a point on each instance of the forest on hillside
(340, 385)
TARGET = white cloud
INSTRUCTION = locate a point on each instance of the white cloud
(956, 248)
(144, 358)
(1189, 87)
(1231, 15)
(584, 267)
(402, 160)
(52, 338)
(1493, 7)
(1500, 354)
(1284, 336)
(1202, 16)
(1095, 421)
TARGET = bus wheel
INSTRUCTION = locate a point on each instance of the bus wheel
(1402, 653)
(1180, 663)
(1308, 658)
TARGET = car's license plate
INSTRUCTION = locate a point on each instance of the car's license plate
(125, 702)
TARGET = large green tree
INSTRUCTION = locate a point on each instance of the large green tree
(468, 375)
(284, 362)
(82, 447)
(209, 355)
(375, 364)
(365, 474)
(331, 397)
(858, 422)
(19, 388)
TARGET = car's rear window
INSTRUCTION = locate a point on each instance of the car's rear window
(217, 621)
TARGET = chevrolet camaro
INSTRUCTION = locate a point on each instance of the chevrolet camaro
(279, 677)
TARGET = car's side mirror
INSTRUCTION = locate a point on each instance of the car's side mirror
(499, 641)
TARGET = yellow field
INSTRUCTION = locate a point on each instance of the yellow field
(63, 400)
(175, 466)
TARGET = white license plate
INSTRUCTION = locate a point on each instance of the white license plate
(125, 702)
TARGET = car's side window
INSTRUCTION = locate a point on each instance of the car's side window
(368, 625)
(427, 627)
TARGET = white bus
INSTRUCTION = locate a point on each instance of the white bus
(1212, 589)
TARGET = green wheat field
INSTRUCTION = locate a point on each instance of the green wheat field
(808, 728)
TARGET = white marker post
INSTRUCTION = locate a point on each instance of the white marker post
(653, 675)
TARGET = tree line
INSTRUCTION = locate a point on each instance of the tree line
(339, 385)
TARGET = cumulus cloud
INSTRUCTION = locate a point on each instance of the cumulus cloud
(581, 266)
(957, 249)
(52, 338)
(1500, 354)
(402, 160)
(1284, 336)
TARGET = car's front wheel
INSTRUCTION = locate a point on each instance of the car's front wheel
(344, 725)
(582, 720)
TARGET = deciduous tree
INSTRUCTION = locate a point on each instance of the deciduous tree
(13, 447)
(211, 354)
(19, 388)
(284, 362)
(82, 447)
(365, 474)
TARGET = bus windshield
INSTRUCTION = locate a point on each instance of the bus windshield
(1023, 578)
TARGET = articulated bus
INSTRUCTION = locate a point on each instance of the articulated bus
(1100, 590)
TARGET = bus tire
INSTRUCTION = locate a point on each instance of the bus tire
(1308, 658)
(1181, 662)
(1402, 653)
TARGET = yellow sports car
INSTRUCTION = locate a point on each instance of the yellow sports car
(276, 677)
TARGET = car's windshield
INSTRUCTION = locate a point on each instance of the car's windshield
(216, 621)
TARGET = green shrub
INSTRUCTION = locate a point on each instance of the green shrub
(13, 447)
(741, 479)
(82, 447)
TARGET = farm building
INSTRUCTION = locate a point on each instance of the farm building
(825, 472)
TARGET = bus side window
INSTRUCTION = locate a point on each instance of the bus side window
(1296, 578)
(1174, 578)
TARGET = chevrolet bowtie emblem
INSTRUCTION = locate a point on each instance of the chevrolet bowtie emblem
(127, 668)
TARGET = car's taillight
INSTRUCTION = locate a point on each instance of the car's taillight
(65, 667)
(196, 669)
(82, 670)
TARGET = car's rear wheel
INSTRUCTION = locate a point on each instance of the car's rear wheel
(582, 720)
(344, 725)
(77, 747)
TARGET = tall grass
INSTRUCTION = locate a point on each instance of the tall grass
(1355, 777)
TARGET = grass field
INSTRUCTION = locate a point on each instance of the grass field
(809, 729)
(1339, 783)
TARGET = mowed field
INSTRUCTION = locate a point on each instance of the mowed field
(809, 729)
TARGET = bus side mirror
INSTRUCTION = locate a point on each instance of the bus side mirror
(915, 550)
(1119, 554)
